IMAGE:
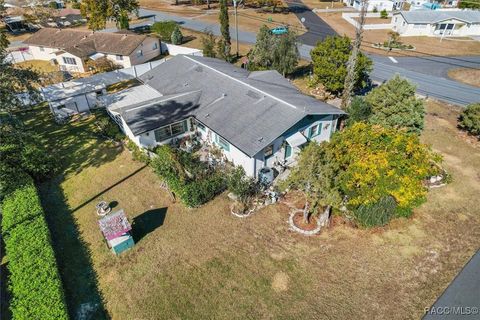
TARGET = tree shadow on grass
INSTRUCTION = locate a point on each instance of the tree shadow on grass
(147, 222)
(73, 255)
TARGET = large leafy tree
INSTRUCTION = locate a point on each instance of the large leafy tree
(98, 12)
(330, 58)
(285, 53)
(395, 105)
(13, 80)
(375, 162)
(316, 176)
(274, 52)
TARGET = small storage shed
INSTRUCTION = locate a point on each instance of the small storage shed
(116, 230)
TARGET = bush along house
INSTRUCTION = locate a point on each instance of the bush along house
(258, 119)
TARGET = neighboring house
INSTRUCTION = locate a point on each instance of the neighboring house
(373, 5)
(70, 48)
(437, 23)
(258, 119)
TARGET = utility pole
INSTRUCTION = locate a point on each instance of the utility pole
(235, 6)
(352, 60)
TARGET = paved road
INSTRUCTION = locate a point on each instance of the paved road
(429, 74)
(461, 296)
(317, 29)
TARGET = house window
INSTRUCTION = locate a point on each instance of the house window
(42, 49)
(68, 60)
(170, 131)
(268, 151)
(139, 53)
(314, 131)
(118, 57)
(178, 128)
(200, 126)
(288, 151)
(403, 23)
(163, 133)
(155, 46)
(223, 143)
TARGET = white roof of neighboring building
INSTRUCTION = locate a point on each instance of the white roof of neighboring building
(130, 96)
(80, 86)
(434, 16)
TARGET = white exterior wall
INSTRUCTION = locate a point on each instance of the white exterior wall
(47, 54)
(405, 29)
(148, 52)
(81, 103)
(234, 155)
(372, 4)
(328, 126)
(79, 67)
(252, 165)
(124, 62)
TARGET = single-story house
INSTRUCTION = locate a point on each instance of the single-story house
(70, 48)
(437, 23)
(258, 119)
(375, 5)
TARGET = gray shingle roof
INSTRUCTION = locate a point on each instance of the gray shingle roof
(250, 110)
(434, 16)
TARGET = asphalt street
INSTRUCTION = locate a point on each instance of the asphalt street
(461, 299)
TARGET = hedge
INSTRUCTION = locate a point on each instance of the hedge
(34, 280)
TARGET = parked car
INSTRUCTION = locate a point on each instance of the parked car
(279, 30)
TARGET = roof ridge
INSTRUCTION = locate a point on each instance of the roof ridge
(244, 83)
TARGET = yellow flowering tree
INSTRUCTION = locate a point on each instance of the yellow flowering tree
(376, 162)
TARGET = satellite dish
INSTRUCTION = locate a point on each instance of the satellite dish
(303, 19)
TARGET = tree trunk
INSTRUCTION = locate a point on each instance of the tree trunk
(306, 214)
(208, 4)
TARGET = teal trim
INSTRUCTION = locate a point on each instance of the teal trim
(288, 151)
(185, 125)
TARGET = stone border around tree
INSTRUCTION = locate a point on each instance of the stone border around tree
(293, 227)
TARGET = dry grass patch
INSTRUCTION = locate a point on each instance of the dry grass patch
(466, 75)
(38, 65)
(423, 45)
(205, 263)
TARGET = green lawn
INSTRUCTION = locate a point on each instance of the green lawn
(204, 263)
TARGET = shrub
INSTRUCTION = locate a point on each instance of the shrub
(76, 5)
(137, 153)
(358, 110)
(208, 44)
(383, 14)
(195, 188)
(20, 206)
(395, 105)
(177, 36)
(37, 162)
(34, 280)
(239, 184)
(375, 10)
(164, 29)
(11, 178)
(469, 119)
(198, 192)
(376, 214)
(105, 127)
